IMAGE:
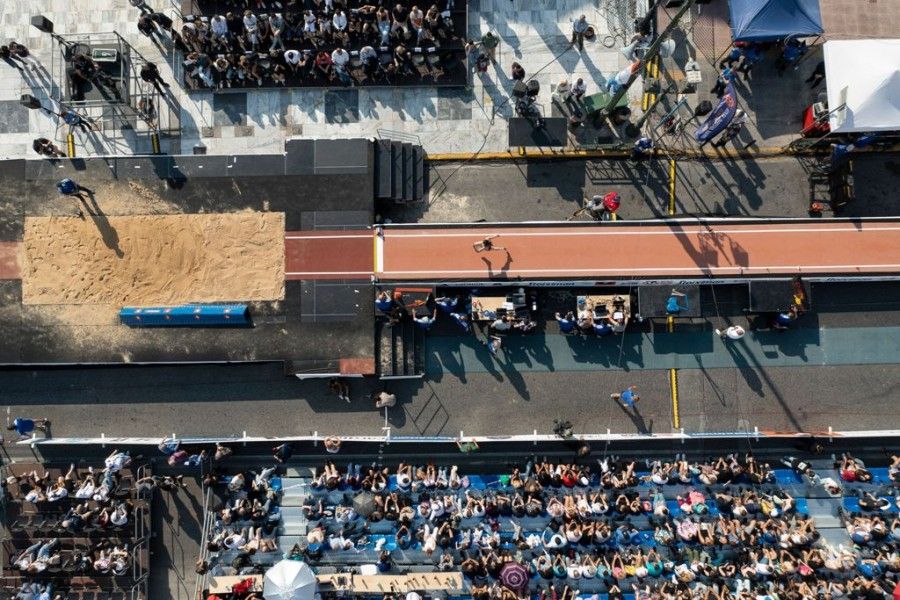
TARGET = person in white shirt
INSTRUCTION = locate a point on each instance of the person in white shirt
(309, 22)
(251, 25)
(340, 58)
(219, 27)
(339, 20)
(292, 59)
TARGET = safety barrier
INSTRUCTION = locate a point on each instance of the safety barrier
(191, 315)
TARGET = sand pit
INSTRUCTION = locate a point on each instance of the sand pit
(151, 260)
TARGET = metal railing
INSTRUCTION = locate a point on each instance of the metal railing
(399, 136)
(208, 519)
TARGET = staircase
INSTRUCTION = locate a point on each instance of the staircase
(294, 525)
(399, 171)
(401, 350)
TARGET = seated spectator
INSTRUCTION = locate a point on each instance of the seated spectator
(567, 324)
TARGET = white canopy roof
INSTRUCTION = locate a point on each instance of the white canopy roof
(864, 74)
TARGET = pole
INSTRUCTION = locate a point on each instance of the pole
(651, 52)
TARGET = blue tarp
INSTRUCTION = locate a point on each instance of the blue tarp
(773, 20)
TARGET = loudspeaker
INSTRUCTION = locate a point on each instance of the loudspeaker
(42, 23)
(29, 101)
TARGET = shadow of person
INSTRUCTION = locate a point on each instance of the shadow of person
(107, 231)
(637, 419)
(502, 273)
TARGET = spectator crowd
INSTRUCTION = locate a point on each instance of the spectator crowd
(324, 43)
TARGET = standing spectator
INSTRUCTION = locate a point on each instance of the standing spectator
(791, 53)
(67, 187)
(579, 28)
(489, 42)
(338, 387)
(163, 21)
(518, 72)
(817, 76)
(383, 20)
(425, 322)
(73, 119)
(169, 446)
(20, 53)
(735, 332)
(722, 81)
(568, 323)
(628, 398)
(332, 444)
(579, 89)
(641, 148)
(222, 452)
(7, 56)
(494, 344)
(146, 26)
(750, 58)
(45, 147)
(383, 302)
(385, 400)
(150, 74)
(24, 426)
(283, 452)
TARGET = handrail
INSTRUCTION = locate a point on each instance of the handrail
(201, 582)
(400, 136)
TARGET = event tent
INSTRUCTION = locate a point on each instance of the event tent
(864, 75)
(774, 20)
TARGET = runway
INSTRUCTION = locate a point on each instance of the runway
(557, 251)
(560, 251)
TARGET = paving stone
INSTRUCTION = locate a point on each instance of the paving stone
(230, 108)
(342, 106)
(13, 117)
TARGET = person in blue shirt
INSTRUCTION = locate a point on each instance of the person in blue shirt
(446, 304)
(24, 426)
(792, 52)
(68, 188)
(383, 302)
(784, 320)
(672, 305)
(493, 343)
(425, 322)
(641, 148)
(627, 398)
(722, 81)
(602, 327)
(462, 319)
(567, 324)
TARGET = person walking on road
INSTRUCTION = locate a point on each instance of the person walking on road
(735, 332)
(25, 426)
(628, 398)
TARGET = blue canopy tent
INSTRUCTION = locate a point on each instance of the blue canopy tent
(774, 20)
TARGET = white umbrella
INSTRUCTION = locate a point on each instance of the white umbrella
(289, 580)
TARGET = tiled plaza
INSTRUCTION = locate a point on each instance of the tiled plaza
(444, 120)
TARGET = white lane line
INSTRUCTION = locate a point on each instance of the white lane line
(367, 273)
(610, 232)
(778, 268)
(327, 237)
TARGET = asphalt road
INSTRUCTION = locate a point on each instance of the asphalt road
(229, 400)
(553, 189)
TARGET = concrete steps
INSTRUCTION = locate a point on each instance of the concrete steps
(400, 171)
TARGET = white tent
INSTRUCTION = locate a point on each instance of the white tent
(864, 75)
(289, 580)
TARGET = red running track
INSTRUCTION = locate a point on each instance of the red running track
(667, 249)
